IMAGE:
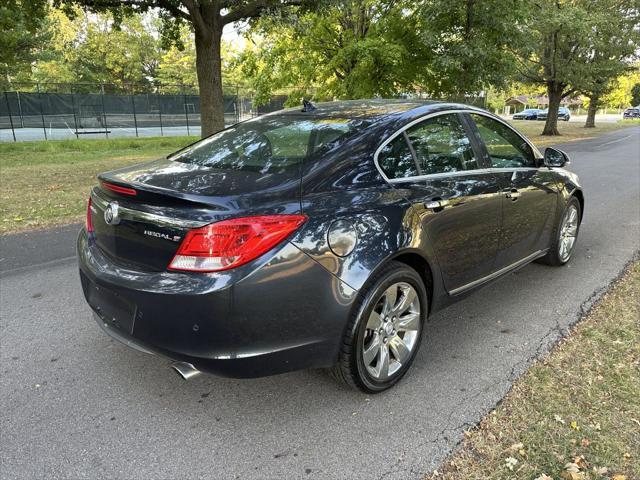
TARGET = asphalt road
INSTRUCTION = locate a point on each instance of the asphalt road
(75, 404)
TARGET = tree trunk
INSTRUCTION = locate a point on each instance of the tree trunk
(209, 70)
(591, 112)
(554, 91)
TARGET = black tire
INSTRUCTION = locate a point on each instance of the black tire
(553, 256)
(350, 368)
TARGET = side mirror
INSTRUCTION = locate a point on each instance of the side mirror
(555, 158)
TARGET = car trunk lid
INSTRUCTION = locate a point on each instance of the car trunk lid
(141, 214)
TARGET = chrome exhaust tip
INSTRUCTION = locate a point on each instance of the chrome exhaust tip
(185, 370)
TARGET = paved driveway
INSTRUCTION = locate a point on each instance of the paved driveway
(75, 404)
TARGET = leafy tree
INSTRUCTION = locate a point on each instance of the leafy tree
(346, 49)
(465, 42)
(178, 63)
(620, 95)
(56, 63)
(635, 94)
(560, 43)
(207, 19)
(365, 48)
(25, 30)
(614, 39)
(549, 54)
(126, 55)
(88, 49)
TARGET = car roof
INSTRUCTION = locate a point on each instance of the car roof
(373, 109)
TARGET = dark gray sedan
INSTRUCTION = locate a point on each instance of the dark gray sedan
(321, 237)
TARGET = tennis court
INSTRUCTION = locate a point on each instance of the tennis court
(55, 115)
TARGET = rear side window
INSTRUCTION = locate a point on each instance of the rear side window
(395, 159)
(505, 147)
(441, 145)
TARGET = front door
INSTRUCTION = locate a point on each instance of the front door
(457, 200)
(529, 191)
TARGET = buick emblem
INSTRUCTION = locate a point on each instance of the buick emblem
(111, 216)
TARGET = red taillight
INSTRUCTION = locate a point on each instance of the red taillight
(231, 243)
(89, 221)
(118, 189)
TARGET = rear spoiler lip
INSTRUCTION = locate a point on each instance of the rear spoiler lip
(219, 207)
(142, 187)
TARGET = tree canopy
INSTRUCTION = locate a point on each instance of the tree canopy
(330, 49)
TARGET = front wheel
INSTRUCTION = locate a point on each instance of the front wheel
(385, 330)
(565, 236)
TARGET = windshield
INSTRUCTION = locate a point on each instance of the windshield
(271, 144)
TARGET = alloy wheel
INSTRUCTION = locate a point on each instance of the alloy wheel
(392, 331)
(568, 233)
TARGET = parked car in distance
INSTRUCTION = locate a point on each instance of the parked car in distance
(631, 113)
(320, 238)
(528, 114)
(563, 114)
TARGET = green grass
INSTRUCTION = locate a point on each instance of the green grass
(575, 415)
(47, 183)
(629, 122)
(569, 131)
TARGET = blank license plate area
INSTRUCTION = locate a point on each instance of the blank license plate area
(115, 310)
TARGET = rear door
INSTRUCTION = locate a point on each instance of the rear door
(528, 191)
(434, 163)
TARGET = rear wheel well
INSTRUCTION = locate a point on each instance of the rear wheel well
(420, 265)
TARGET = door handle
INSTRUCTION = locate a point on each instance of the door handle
(437, 204)
(512, 194)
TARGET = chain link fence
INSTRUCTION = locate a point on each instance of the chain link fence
(55, 111)
(61, 111)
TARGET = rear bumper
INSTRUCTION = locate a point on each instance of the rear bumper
(280, 313)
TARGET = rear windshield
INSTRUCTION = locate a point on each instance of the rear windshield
(271, 144)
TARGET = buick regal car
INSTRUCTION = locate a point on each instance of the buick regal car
(528, 114)
(320, 238)
(563, 114)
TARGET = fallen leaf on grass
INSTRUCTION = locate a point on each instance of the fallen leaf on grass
(575, 425)
(572, 475)
(516, 446)
(510, 463)
(572, 468)
(581, 462)
(619, 477)
(558, 419)
(585, 442)
(544, 476)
